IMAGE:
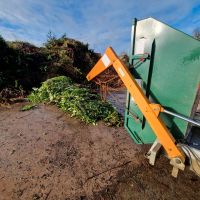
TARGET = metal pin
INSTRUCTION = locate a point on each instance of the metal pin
(182, 117)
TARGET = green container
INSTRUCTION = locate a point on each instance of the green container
(170, 76)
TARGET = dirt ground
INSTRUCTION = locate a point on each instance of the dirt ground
(45, 154)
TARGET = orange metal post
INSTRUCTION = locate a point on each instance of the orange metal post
(148, 109)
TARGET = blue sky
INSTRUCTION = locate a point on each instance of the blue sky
(100, 23)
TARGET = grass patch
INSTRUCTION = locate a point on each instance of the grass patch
(28, 107)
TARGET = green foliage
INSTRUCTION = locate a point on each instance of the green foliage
(28, 107)
(78, 101)
(50, 90)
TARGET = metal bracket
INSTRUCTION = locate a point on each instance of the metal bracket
(177, 164)
(153, 151)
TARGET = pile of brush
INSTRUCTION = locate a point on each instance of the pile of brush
(76, 100)
(29, 65)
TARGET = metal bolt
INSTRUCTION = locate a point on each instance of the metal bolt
(178, 161)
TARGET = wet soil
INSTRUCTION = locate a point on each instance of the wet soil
(45, 154)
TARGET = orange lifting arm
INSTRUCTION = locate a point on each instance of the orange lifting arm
(150, 111)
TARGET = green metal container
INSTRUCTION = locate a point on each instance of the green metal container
(170, 76)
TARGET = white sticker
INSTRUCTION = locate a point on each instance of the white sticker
(121, 71)
(105, 60)
(139, 46)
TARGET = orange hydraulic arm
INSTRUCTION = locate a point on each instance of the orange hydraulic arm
(149, 110)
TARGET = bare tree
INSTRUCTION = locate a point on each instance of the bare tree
(196, 33)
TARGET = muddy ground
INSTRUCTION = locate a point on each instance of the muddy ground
(45, 154)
